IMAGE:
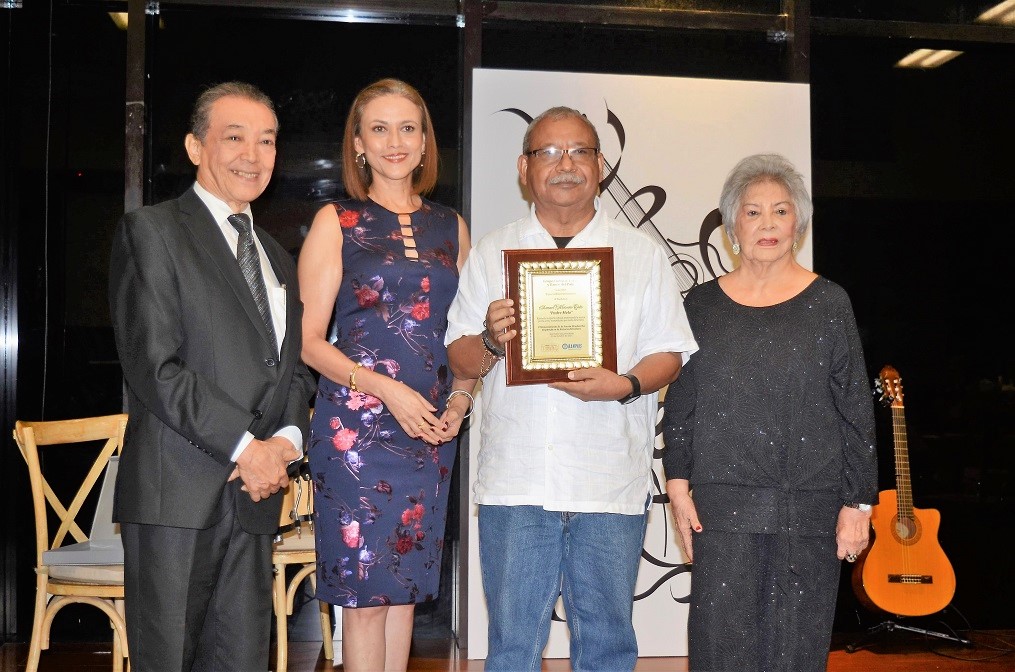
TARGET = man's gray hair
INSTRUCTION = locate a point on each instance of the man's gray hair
(556, 114)
(200, 119)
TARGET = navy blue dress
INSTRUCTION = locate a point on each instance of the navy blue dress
(380, 496)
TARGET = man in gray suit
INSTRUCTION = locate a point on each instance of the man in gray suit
(207, 317)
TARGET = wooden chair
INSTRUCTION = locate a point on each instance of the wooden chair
(294, 545)
(61, 580)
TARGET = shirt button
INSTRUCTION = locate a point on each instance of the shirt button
(550, 448)
(269, 362)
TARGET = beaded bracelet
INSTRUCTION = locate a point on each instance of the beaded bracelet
(485, 366)
(455, 393)
(352, 377)
(490, 346)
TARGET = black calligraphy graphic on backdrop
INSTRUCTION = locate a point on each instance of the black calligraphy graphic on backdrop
(689, 270)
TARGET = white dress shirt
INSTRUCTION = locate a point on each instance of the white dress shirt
(543, 447)
(276, 296)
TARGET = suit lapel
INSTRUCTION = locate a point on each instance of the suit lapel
(202, 226)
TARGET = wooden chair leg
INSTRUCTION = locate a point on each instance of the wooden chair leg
(326, 631)
(327, 634)
(117, 651)
(119, 647)
(124, 650)
(278, 600)
(41, 600)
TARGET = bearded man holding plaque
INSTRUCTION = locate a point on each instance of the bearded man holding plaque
(593, 325)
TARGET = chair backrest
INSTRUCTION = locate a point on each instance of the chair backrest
(83, 433)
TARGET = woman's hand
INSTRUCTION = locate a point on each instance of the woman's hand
(459, 406)
(413, 412)
(685, 515)
(450, 423)
(852, 533)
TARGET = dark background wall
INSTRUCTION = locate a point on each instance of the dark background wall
(909, 168)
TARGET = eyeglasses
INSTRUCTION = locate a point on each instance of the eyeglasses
(551, 155)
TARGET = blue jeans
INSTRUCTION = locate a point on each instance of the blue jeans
(530, 556)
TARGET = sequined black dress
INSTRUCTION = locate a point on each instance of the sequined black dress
(772, 423)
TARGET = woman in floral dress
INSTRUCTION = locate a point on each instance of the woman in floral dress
(377, 275)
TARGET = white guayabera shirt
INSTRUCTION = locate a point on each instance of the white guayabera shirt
(540, 446)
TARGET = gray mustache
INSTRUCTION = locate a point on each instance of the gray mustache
(573, 178)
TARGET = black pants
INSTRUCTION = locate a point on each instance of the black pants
(197, 600)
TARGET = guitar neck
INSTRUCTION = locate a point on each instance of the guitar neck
(903, 485)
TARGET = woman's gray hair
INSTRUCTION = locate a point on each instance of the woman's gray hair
(764, 168)
(556, 114)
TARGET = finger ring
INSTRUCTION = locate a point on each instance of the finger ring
(851, 557)
(420, 425)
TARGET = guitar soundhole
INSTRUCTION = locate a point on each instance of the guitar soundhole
(906, 530)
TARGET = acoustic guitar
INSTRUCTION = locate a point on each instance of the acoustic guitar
(904, 571)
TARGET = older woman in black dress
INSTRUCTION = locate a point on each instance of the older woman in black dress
(770, 442)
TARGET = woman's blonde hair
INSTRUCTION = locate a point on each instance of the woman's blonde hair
(357, 178)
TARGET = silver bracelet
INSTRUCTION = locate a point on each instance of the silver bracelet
(455, 393)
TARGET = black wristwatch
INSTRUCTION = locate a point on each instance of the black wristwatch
(491, 346)
(635, 389)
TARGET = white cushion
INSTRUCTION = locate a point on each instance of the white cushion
(109, 575)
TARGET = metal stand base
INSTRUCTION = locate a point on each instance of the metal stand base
(891, 626)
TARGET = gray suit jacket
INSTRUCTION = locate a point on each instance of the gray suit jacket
(198, 366)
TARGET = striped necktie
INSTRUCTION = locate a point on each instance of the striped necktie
(250, 265)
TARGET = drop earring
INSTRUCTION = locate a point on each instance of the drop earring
(796, 246)
(361, 160)
(736, 249)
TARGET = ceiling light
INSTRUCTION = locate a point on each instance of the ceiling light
(120, 19)
(927, 58)
(1003, 14)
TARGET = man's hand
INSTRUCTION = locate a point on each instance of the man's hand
(262, 466)
(596, 384)
(500, 317)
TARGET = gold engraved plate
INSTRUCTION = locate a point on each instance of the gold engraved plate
(563, 322)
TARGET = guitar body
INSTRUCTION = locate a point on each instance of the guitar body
(904, 571)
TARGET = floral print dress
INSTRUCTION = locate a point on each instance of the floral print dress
(380, 496)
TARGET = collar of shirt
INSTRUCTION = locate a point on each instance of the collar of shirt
(220, 212)
(595, 233)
